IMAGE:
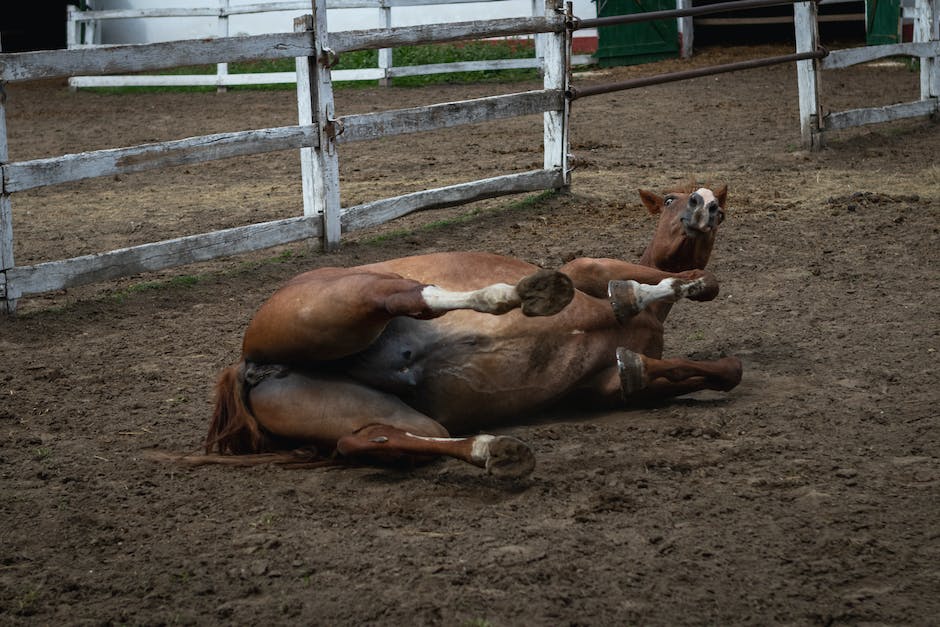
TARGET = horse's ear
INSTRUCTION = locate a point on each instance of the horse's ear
(721, 195)
(651, 201)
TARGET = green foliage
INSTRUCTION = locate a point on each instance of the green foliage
(184, 280)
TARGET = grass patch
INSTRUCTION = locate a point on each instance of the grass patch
(361, 59)
(181, 281)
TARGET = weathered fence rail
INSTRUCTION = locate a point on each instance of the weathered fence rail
(926, 46)
(84, 29)
(810, 58)
(316, 136)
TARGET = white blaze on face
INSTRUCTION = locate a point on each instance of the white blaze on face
(701, 217)
(707, 195)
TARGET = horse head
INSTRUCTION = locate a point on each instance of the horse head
(688, 223)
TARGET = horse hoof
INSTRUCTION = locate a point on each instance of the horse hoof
(632, 371)
(705, 287)
(731, 377)
(545, 293)
(509, 458)
(624, 299)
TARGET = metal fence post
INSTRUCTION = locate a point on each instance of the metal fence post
(320, 165)
(807, 74)
(557, 47)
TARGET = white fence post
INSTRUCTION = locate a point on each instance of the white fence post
(807, 73)
(385, 54)
(925, 29)
(221, 69)
(686, 34)
(7, 305)
(320, 165)
(538, 10)
(556, 49)
(71, 29)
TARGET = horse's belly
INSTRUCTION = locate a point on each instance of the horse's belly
(466, 379)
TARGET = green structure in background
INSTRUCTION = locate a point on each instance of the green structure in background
(631, 44)
(883, 21)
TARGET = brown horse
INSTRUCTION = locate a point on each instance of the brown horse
(385, 361)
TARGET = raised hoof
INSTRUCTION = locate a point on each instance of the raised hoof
(704, 288)
(623, 299)
(632, 371)
(545, 293)
(508, 457)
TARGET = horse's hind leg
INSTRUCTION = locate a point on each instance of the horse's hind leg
(364, 424)
(326, 315)
(500, 455)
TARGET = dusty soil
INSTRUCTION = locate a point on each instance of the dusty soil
(809, 494)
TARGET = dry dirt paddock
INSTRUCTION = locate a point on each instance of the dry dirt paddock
(808, 495)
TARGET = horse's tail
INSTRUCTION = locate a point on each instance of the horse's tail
(235, 437)
(234, 428)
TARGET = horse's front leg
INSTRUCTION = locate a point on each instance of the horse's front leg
(631, 287)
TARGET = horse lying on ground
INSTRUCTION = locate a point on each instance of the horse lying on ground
(387, 361)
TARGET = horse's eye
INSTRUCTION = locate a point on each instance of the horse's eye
(668, 201)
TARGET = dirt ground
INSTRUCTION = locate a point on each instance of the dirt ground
(808, 495)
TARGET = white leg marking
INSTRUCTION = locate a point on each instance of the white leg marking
(666, 290)
(495, 299)
(481, 448)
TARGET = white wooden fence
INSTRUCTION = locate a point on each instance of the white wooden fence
(316, 135)
(926, 45)
(84, 30)
(318, 132)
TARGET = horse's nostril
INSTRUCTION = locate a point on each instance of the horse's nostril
(712, 207)
(694, 201)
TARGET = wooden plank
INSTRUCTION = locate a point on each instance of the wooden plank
(463, 66)
(874, 115)
(853, 56)
(56, 275)
(436, 33)
(74, 167)
(140, 57)
(381, 211)
(424, 3)
(370, 126)
(133, 14)
(212, 80)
